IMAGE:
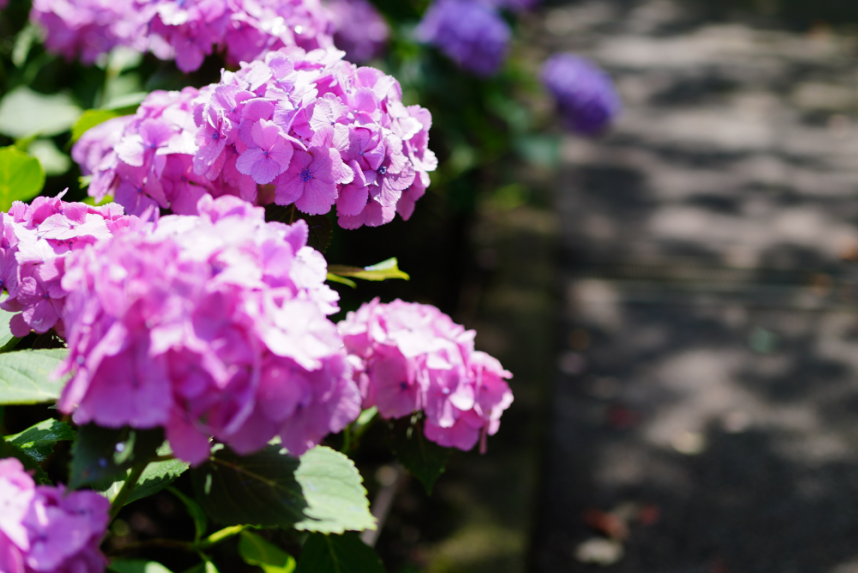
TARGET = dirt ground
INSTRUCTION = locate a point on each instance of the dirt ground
(705, 413)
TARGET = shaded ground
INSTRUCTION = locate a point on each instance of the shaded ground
(705, 414)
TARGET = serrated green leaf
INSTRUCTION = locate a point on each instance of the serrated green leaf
(24, 376)
(136, 566)
(384, 270)
(21, 176)
(38, 441)
(257, 551)
(25, 112)
(90, 119)
(156, 476)
(338, 554)
(320, 492)
(103, 455)
(8, 450)
(196, 513)
(54, 162)
(425, 460)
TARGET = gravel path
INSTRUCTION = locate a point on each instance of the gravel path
(706, 414)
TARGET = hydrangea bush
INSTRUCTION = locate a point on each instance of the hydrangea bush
(176, 307)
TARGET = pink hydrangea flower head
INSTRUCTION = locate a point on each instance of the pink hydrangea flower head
(213, 324)
(411, 357)
(322, 131)
(46, 529)
(39, 237)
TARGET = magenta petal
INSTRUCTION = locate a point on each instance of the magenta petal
(247, 160)
(352, 200)
(288, 190)
(318, 197)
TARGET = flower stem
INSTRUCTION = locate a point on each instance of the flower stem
(219, 536)
(127, 488)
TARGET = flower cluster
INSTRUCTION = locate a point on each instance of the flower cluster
(410, 357)
(360, 30)
(146, 160)
(35, 242)
(322, 131)
(87, 28)
(585, 94)
(46, 529)
(187, 31)
(470, 32)
(209, 325)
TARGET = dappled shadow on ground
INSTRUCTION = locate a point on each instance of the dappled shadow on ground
(709, 366)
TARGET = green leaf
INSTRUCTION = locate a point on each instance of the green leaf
(21, 177)
(156, 476)
(136, 566)
(25, 112)
(126, 104)
(257, 551)
(320, 492)
(105, 454)
(424, 459)
(338, 279)
(90, 119)
(38, 441)
(24, 376)
(321, 231)
(204, 567)
(23, 42)
(54, 162)
(196, 513)
(384, 270)
(8, 450)
(338, 554)
(7, 340)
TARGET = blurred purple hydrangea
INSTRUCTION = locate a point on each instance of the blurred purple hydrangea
(360, 30)
(585, 94)
(469, 32)
(512, 5)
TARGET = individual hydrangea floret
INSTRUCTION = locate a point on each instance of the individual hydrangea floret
(209, 325)
(35, 241)
(469, 32)
(319, 130)
(411, 357)
(585, 94)
(46, 529)
(360, 30)
(186, 31)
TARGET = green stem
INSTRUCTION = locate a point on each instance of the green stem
(127, 488)
(219, 536)
(347, 440)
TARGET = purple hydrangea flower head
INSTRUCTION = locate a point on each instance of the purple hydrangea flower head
(186, 31)
(584, 93)
(322, 131)
(37, 239)
(360, 30)
(469, 32)
(411, 357)
(207, 325)
(87, 28)
(512, 5)
(46, 529)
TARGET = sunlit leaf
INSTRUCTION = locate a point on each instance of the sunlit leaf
(24, 376)
(384, 270)
(90, 119)
(38, 441)
(54, 162)
(257, 551)
(21, 176)
(25, 112)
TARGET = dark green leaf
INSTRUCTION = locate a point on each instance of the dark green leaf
(338, 554)
(321, 492)
(8, 450)
(384, 270)
(38, 441)
(204, 567)
(424, 459)
(257, 551)
(90, 119)
(136, 566)
(105, 454)
(21, 176)
(155, 477)
(196, 513)
(25, 112)
(24, 376)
